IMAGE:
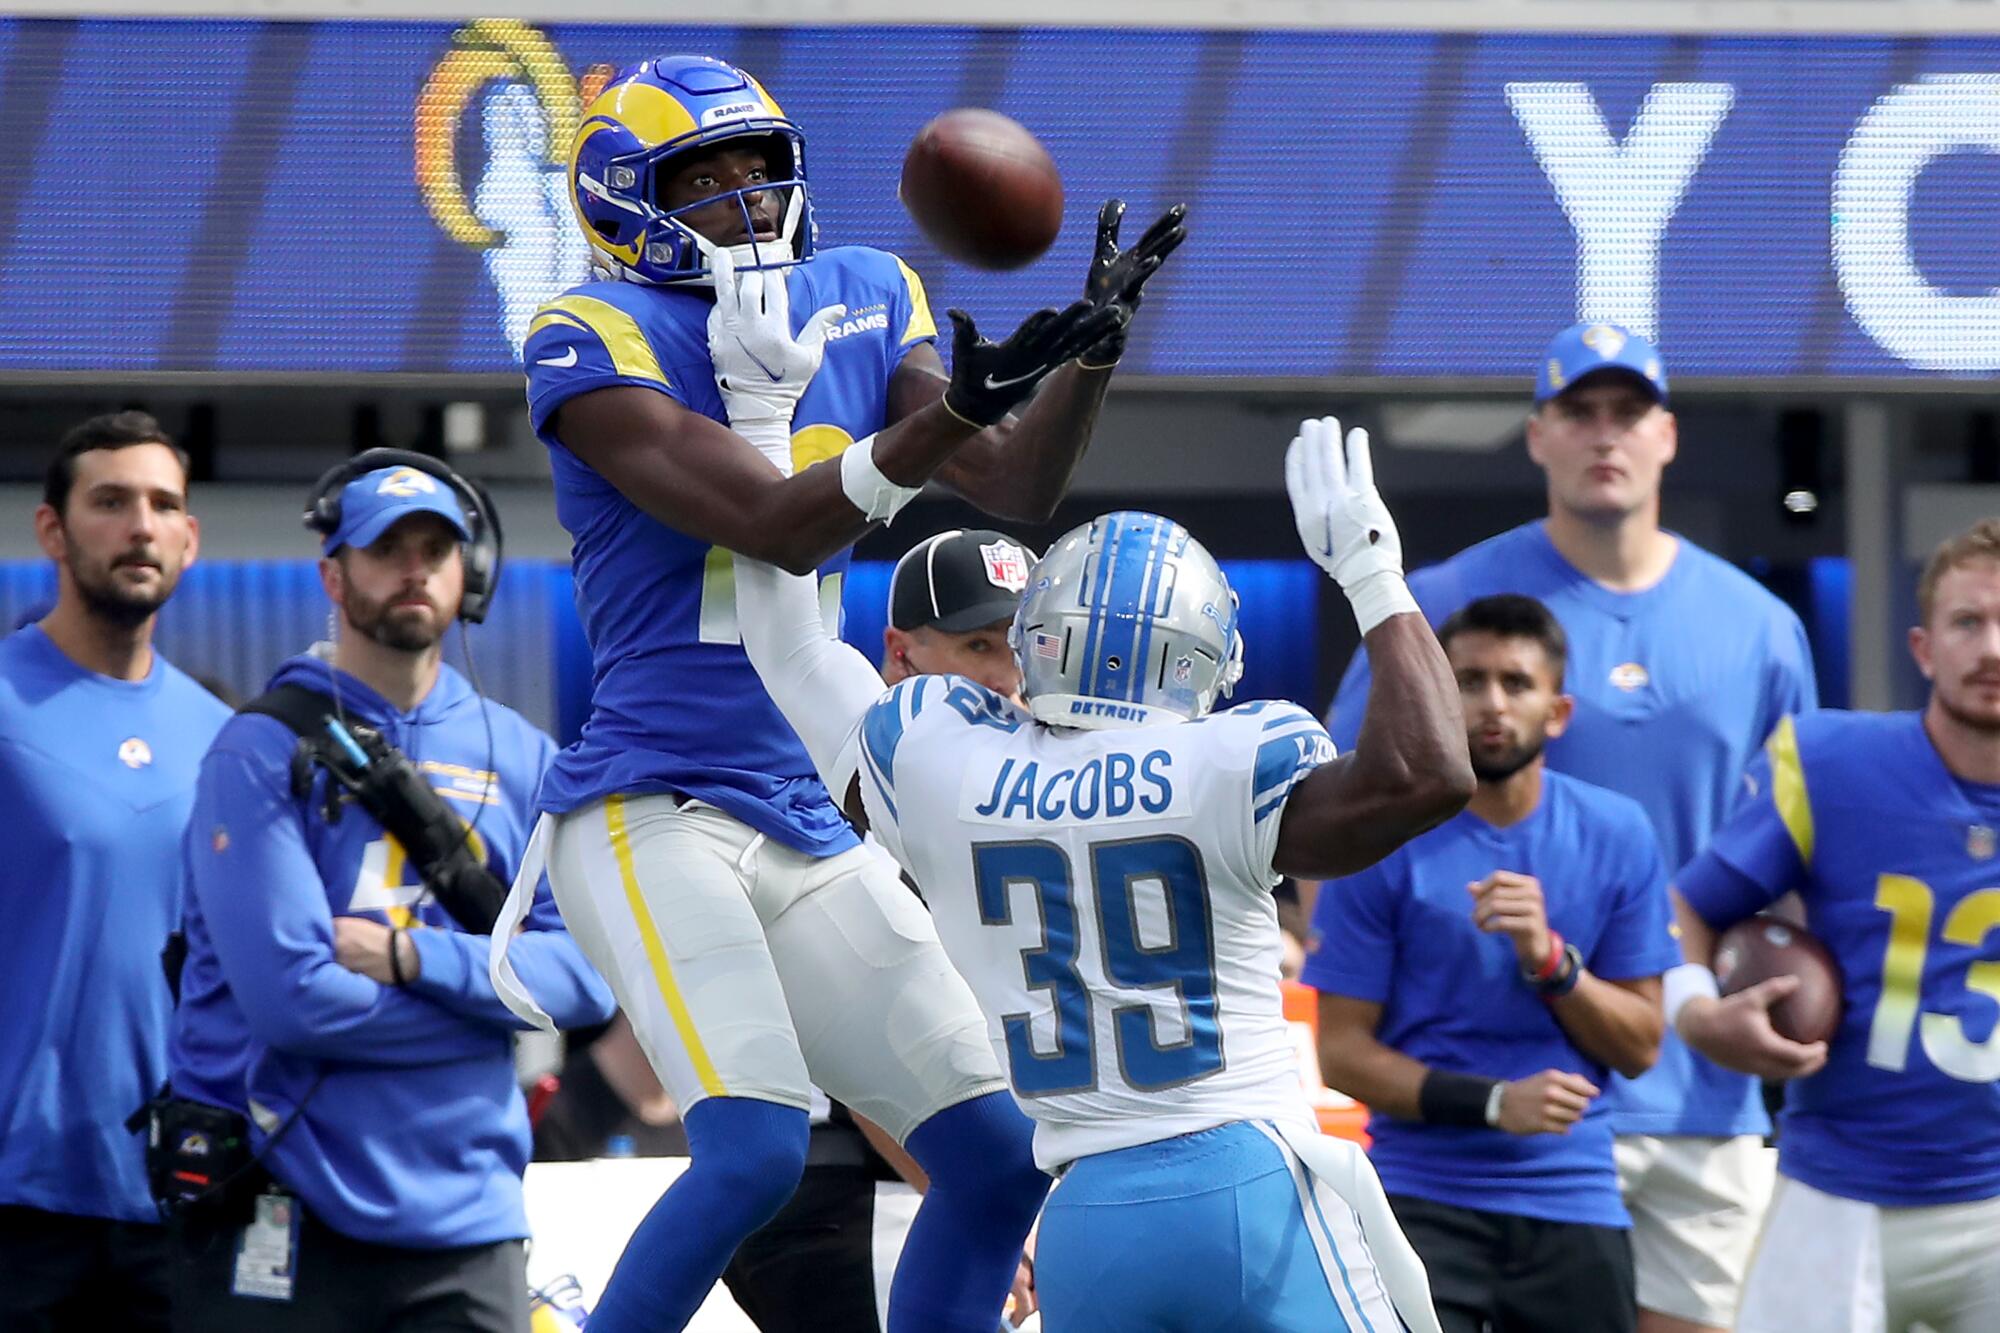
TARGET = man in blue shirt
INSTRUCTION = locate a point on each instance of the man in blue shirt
(1476, 987)
(1680, 666)
(99, 740)
(1887, 1213)
(331, 1000)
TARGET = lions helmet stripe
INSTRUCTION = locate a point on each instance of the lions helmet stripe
(1135, 587)
(1087, 603)
(1149, 596)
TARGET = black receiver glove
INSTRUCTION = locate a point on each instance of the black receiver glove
(1120, 275)
(989, 378)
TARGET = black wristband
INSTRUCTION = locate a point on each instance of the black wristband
(1567, 974)
(1455, 1099)
(396, 956)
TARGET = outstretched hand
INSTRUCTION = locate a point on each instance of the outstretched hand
(761, 367)
(989, 378)
(1120, 275)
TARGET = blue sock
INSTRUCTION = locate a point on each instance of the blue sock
(966, 1242)
(746, 1159)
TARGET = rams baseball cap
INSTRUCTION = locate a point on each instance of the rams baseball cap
(1581, 349)
(959, 581)
(374, 500)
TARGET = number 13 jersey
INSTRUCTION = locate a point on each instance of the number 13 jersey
(1894, 858)
(1107, 895)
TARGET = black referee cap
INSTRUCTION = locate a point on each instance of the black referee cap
(958, 581)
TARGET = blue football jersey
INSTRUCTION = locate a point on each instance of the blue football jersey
(1676, 686)
(1894, 859)
(675, 705)
(1400, 934)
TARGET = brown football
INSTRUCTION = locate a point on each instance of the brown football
(982, 189)
(1770, 946)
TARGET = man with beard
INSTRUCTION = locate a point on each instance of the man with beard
(99, 740)
(1476, 987)
(1887, 1211)
(1680, 665)
(333, 1015)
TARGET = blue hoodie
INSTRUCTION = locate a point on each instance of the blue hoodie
(409, 1127)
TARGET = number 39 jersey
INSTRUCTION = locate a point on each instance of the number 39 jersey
(1895, 861)
(1107, 895)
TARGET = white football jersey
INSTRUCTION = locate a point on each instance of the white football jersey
(1107, 894)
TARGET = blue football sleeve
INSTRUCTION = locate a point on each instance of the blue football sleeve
(910, 312)
(1352, 949)
(266, 909)
(1764, 848)
(577, 343)
(882, 730)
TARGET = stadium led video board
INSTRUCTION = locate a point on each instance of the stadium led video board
(362, 198)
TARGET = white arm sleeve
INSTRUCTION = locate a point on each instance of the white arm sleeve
(822, 686)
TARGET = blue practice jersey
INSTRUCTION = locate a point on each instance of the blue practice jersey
(402, 1122)
(1893, 857)
(96, 776)
(1675, 689)
(675, 705)
(1400, 934)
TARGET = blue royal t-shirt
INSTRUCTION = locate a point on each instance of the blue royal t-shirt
(675, 704)
(97, 776)
(1400, 934)
(1894, 860)
(1676, 687)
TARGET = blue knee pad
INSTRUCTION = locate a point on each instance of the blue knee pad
(747, 1157)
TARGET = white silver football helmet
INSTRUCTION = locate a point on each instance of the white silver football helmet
(1127, 620)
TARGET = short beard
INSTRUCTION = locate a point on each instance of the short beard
(1983, 726)
(103, 597)
(377, 621)
(1493, 773)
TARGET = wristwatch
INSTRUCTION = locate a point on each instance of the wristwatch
(1493, 1102)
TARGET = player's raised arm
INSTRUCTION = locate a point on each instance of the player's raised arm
(718, 484)
(1019, 468)
(823, 686)
(1409, 770)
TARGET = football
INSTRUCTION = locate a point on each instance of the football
(1770, 946)
(982, 189)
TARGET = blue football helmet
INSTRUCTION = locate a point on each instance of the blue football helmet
(1127, 620)
(652, 113)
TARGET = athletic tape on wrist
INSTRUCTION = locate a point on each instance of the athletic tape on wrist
(1682, 984)
(1379, 596)
(866, 488)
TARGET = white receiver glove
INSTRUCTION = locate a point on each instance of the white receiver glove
(760, 366)
(1342, 521)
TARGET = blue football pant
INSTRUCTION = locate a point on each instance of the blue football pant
(1220, 1230)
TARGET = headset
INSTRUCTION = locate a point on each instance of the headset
(482, 548)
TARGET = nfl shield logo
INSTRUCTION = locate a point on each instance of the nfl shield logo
(1006, 566)
(1979, 842)
(1183, 670)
